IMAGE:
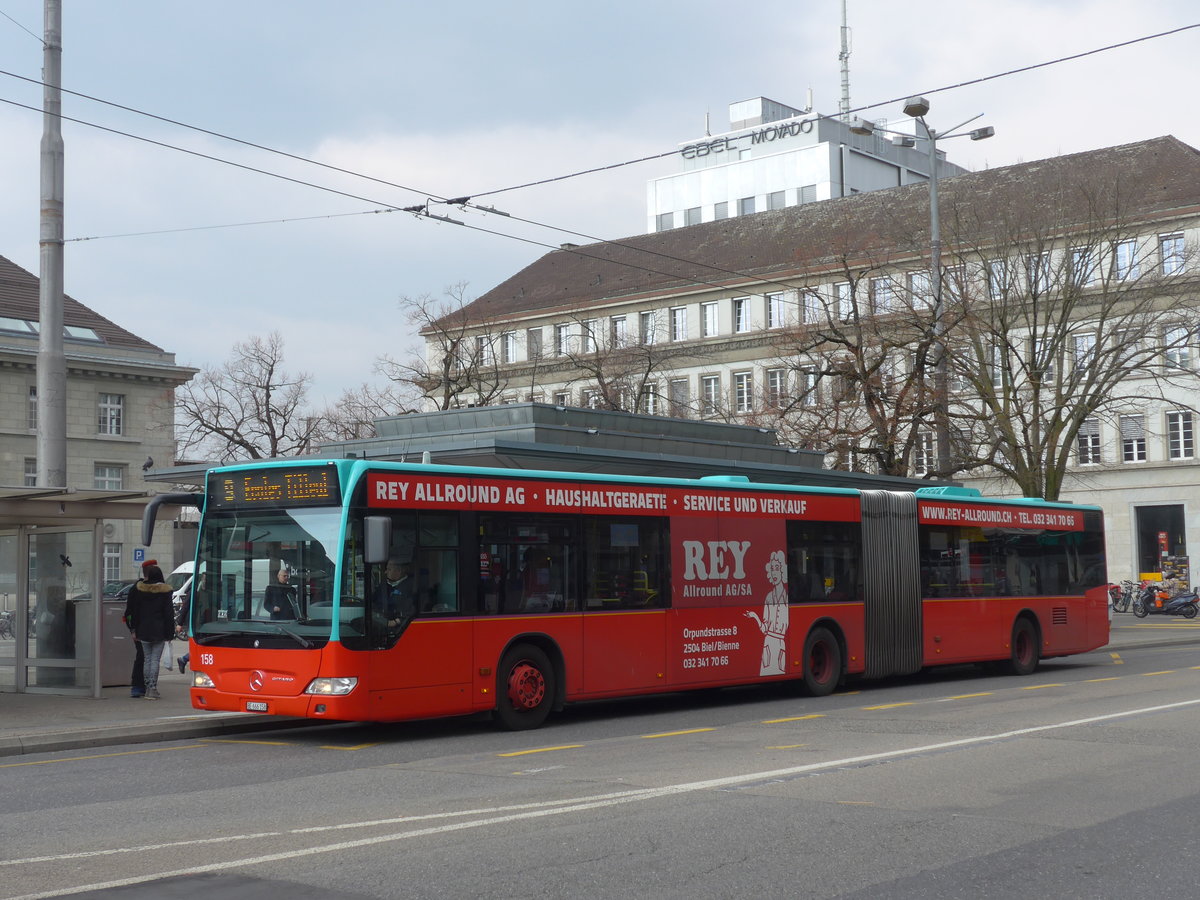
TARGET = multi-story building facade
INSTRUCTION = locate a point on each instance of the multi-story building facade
(120, 424)
(775, 156)
(798, 318)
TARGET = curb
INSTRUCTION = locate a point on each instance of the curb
(147, 733)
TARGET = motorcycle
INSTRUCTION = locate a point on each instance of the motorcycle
(1152, 600)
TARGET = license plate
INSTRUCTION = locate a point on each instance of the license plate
(256, 706)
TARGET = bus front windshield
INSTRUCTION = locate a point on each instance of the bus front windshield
(266, 578)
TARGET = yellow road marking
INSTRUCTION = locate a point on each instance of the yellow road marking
(1038, 687)
(969, 696)
(888, 705)
(787, 746)
(1116, 658)
(1106, 678)
(794, 718)
(43, 762)
(1163, 672)
(236, 741)
(541, 750)
(355, 747)
(677, 733)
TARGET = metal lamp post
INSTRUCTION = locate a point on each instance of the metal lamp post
(917, 107)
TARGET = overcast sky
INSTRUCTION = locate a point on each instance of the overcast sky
(470, 97)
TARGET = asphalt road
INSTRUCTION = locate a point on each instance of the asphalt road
(954, 785)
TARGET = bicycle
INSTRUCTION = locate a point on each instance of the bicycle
(1122, 595)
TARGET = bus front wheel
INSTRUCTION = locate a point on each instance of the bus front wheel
(524, 688)
(822, 662)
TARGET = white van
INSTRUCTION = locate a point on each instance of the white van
(180, 581)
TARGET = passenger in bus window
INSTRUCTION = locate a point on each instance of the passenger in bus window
(398, 592)
(280, 597)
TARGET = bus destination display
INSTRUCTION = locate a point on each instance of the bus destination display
(284, 486)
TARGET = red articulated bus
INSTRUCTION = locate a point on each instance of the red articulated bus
(372, 591)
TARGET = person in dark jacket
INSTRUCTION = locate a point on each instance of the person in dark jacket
(137, 678)
(152, 620)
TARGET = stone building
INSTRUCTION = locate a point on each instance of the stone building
(750, 319)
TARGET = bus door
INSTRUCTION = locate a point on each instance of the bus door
(416, 612)
(625, 595)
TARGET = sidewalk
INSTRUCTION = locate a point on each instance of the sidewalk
(43, 723)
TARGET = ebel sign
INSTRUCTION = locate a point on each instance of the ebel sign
(761, 136)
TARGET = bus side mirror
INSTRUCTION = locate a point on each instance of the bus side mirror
(377, 539)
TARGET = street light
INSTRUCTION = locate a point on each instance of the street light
(917, 108)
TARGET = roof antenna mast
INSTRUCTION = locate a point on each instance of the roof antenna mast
(844, 56)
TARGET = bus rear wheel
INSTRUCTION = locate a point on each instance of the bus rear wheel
(822, 662)
(1025, 653)
(524, 688)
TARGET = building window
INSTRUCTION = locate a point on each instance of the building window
(562, 340)
(708, 319)
(109, 478)
(678, 398)
(691, 216)
(618, 330)
(112, 562)
(664, 222)
(775, 200)
(30, 472)
(811, 310)
(1087, 444)
(1133, 438)
(649, 404)
(1083, 267)
(31, 413)
(997, 278)
(562, 398)
(924, 454)
(883, 295)
(721, 210)
(590, 342)
(808, 193)
(776, 317)
(483, 351)
(776, 387)
(806, 386)
(743, 392)
(745, 206)
(533, 343)
(1037, 272)
(508, 347)
(741, 315)
(112, 414)
(1084, 350)
(679, 323)
(919, 288)
(591, 398)
(1180, 442)
(648, 327)
(710, 394)
(1041, 360)
(1177, 348)
(843, 297)
(1125, 263)
(1170, 252)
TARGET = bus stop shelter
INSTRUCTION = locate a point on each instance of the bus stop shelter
(60, 636)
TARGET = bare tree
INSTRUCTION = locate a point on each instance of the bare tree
(1061, 316)
(459, 361)
(248, 407)
(353, 416)
(857, 364)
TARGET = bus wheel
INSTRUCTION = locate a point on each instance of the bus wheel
(1025, 650)
(822, 662)
(524, 688)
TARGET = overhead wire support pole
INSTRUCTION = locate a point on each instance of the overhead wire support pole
(51, 362)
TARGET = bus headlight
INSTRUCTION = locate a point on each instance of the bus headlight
(200, 680)
(331, 686)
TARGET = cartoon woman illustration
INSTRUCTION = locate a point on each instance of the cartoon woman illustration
(774, 621)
